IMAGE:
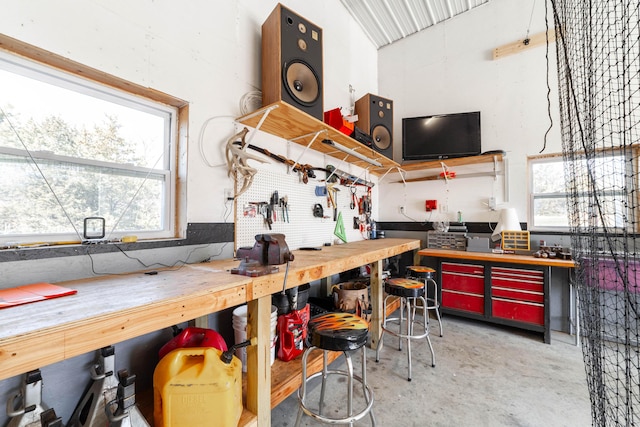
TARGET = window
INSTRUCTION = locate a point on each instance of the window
(73, 148)
(599, 194)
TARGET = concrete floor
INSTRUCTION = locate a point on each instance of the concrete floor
(485, 375)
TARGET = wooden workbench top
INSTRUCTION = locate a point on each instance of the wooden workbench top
(492, 257)
(114, 308)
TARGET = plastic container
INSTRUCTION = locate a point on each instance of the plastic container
(239, 322)
(194, 337)
(194, 387)
(292, 332)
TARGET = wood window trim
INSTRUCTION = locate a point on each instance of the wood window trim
(50, 59)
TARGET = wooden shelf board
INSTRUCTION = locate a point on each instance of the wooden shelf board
(458, 161)
(297, 126)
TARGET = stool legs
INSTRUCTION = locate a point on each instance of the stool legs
(410, 306)
(350, 418)
(436, 304)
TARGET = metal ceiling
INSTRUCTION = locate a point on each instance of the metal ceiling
(386, 21)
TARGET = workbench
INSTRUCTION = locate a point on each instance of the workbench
(509, 289)
(110, 309)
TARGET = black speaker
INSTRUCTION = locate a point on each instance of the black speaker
(292, 62)
(375, 116)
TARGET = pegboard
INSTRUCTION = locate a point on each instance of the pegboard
(303, 229)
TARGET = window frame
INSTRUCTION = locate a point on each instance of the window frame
(558, 157)
(174, 195)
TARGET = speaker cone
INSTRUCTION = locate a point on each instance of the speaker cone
(301, 82)
(381, 137)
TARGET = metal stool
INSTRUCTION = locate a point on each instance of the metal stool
(410, 292)
(427, 274)
(343, 332)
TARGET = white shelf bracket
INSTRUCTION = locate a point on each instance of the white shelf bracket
(445, 173)
(399, 171)
(264, 113)
(353, 184)
(315, 136)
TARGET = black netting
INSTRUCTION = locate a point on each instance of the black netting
(598, 48)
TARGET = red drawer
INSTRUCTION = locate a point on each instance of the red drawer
(464, 302)
(463, 283)
(518, 311)
(517, 294)
(517, 273)
(524, 285)
(451, 267)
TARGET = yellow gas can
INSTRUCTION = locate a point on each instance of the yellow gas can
(195, 387)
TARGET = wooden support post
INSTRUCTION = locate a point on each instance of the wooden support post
(326, 285)
(524, 44)
(377, 293)
(201, 322)
(259, 360)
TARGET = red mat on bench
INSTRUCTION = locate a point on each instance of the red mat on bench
(32, 293)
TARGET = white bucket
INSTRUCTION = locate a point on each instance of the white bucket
(239, 322)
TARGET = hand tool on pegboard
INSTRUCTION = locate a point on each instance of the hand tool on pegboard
(354, 198)
(284, 204)
(332, 192)
(264, 210)
(273, 203)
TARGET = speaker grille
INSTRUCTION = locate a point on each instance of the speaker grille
(381, 137)
(301, 82)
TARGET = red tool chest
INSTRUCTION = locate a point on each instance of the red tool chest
(496, 293)
(517, 294)
(463, 287)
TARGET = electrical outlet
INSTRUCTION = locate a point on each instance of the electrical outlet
(228, 194)
(492, 203)
(402, 209)
(444, 208)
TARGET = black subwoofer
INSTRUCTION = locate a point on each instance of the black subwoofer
(292, 62)
(375, 116)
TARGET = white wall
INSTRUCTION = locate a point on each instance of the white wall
(448, 69)
(207, 53)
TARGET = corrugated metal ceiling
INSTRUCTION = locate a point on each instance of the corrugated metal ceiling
(386, 21)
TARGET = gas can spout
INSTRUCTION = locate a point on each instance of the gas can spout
(227, 356)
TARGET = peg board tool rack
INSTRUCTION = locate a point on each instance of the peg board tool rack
(303, 229)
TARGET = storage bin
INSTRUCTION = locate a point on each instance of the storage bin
(194, 387)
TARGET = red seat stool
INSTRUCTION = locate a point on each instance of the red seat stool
(411, 292)
(347, 333)
(427, 275)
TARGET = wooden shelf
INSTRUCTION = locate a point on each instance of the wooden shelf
(449, 163)
(290, 123)
(458, 161)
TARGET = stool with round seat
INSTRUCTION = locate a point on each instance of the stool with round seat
(427, 276)
(343, 332)
(410, 292)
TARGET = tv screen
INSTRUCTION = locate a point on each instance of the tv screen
(441, 136)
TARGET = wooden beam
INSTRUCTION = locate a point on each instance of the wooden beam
(524, 44)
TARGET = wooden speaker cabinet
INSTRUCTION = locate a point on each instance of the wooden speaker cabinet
(375, 117)
(292, 62)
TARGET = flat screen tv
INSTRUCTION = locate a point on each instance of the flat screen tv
(441, 136)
